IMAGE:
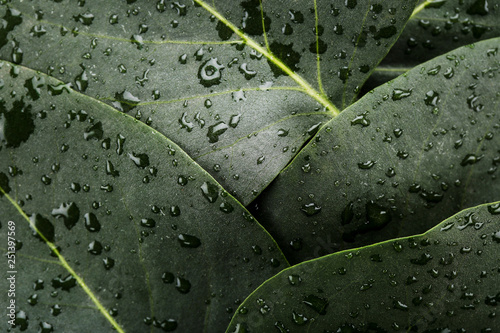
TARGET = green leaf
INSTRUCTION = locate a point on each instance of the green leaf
(395, 163)
(239, 85)
(445, 280)
(437, 27)
(101, 201)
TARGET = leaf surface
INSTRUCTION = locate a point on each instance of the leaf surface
(401, 159)
(445, 280)
(190, 72)
(150, 237)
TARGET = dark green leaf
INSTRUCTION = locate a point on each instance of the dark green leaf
(127, 214)
(437, 27)
(445, 280)
(185, 70)
(397, 162)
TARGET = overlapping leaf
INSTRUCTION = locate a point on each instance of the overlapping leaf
(182, 68)
(137, 223)
(397, 162)
(445, 280)
(437, 27)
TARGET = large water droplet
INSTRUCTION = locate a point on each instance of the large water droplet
(16, 125)
(94, 132)
(140, 160)
(148, 223)
(318, 304)
(182, 285)
(398, 94)
(189, 241)
(210, 73)
(95, 248)
(310, 209)
(431, 98)
(43, 226)
(216, 130)
(65, 283)
(125, 101)
(210, 192)
(69, 212)
(480, 7)
(91, 222)
(85, 19)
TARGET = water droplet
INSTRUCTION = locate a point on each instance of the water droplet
(294, 279)
(472, 103)
(471, 159)
(182, 285)
(65, 283)
(120, 141)
(351, 4)
(288, 56)
(235, 119)
(91, 222)
(85, 19)
(282, 132)
(366, 165)
(16, 125)
(299, 319)
(449, 73)
(226, 207)
(431, 98)
(248, 73)
(189, 241)
(108, 263)
(216, 130)
(182, 180)
(287, 29)
(69, 212)
(398, 132)
(94, 132)
(33, 299)
(167, 277)
(494, 209)
(210, 192)
(110, 169)
(434, 70)
(95, 248)
(148, 223)
(38, 284)
(361, 120)
(398, 94)
(46, 180)
(44, 227)
(210, 73)
(224, 31)
(254, 21)
(377, 216)
(125, 101)
(480, 7)
(424, 259)
(140, 160)
(318, 304)
(311, 209)
(34, 86)
(239, 95)
(431, 196)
